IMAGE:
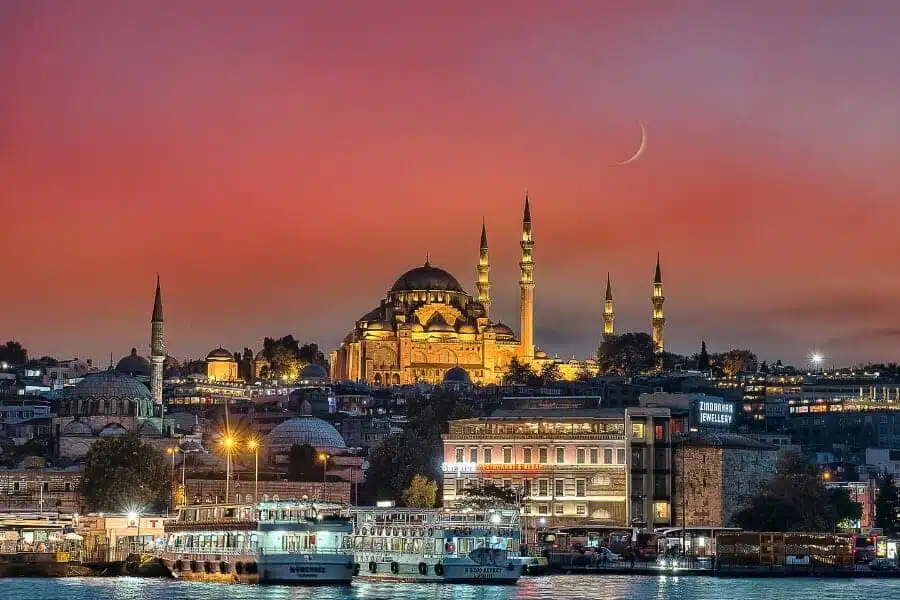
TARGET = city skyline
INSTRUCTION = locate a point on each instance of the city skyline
(257, 159)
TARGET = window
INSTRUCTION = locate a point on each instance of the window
(527, 509)
(659, 432)
(620, 456)
(661, 510)
(580, 488)
(659, 458)
(607, 456)
(558, 509)
(526, 487)
(542, 456)
(580, 510)
(507, 455)
(559, 487)
(560, 455)
(594, 456)
(637, 430)
(507, 483)
(542, 509)
(579, 456)
(459, 455)
(637, 458)
(487, 454)
(526, 455)
(473, 455)
(660, 486)
(543, 487)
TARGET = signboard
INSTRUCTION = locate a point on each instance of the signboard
(459, 467)
(712, 414)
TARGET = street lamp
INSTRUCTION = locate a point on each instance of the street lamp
(228, 443)
(817, 359)
(135, 515)
(324, 458)
(253, 444)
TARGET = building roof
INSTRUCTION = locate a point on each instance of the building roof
(134, 365)
(305, 430)
(313, 371)
(726, 440)
(427, 278)
(220, 354)
(558, 413)
(111, 384)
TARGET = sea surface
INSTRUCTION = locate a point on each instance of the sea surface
(562, 587)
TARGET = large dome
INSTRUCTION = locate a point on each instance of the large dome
(313, 371)
(134, 365)
(111, 384)
(305, 430)
(220, 354)
(427, 278)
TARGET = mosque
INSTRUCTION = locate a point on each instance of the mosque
(428, 325)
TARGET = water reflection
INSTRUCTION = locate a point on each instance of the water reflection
(608, 587)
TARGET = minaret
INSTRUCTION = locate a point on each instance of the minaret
(157, 348)
(609, 315)
(526, 286)
(656, 301)
(484, 269)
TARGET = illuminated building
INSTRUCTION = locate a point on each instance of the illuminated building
(658, 322)
(607, 466)
(221, 365)
(427, 324)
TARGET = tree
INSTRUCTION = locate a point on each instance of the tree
(245, 365)
(421, 493)
(310, 354)
(13, 353)
(124, 473)
(283, 358)
(304, 463)
(797, 500)
(518, 372)
(737, 361)
(485, 494)
(550, 373)
(887, 506)
(628, 355)
(703, 358)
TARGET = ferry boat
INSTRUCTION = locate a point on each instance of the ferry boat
(269, 542)
(436, 545)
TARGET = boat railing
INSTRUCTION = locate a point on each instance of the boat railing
(308, 551)
(207, 550)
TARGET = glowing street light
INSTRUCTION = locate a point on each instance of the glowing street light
(324, 458)
(229, 442)
(253, 444)
(173, 451)
(816, 359)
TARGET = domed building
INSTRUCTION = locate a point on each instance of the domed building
(221, 365)
(134, 365)
(457, 379)
(104, 404)
(313, 374)
(306, 430)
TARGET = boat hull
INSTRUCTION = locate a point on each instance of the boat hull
(306, 568)
(450, 572)
(239, 568)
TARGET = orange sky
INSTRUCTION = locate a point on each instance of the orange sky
(281, 163)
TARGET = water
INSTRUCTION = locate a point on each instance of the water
(567, 587)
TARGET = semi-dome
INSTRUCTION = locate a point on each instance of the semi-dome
(457, 375)
(220, 354)
(305, 430)
(467, 328)
(437, 324)
(111, 384)
(417, 327)
(313, 371)
(378, 326)
(134, 365)
(427, 278)
(503, 330)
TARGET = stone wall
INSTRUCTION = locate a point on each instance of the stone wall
(745, 472)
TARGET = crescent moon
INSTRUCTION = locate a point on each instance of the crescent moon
(639, 152)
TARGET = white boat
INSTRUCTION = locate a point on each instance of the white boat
(436, 545)
(270, 542)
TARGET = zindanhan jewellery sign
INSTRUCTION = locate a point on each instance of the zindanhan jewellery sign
(713, 414)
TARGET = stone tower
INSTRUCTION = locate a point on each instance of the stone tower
(157, 348)
(526, 286)
(658, 320)
(484, 270)
(609, 315)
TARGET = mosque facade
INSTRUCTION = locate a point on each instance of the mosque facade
(427, 325)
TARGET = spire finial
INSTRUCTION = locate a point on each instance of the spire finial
(427, 261)
(527, 217)
(658, 276)
(157, 303)
(484, 241)
(609, 295)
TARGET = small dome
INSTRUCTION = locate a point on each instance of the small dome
(134, 365)
(427, 278)
(220, 354)
(111, 384)
(540, 354)
(77, 428)
(503, 330)
(113, 429)
(313, 371)
(457, 375)
(305, 430)
(475, 309)
(416, 327)
(378, 326)
(467, 328)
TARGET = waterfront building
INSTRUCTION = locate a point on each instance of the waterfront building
(427, 325)
(569, 466)
(37, 490)
(111, 537)
(716, 474)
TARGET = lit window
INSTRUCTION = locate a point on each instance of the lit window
(661, 510)
(637, 430)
